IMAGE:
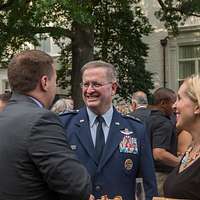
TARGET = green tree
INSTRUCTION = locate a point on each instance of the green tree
(118, 39)
(175, 12)
(111, 29)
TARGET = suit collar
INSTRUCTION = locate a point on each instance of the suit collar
(17, 97)
(37, 102)
(84, 133)
(107, 116)
(114, 138)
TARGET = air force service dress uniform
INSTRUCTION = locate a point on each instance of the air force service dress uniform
(126, 152)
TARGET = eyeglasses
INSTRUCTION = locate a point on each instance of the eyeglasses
(94, 85)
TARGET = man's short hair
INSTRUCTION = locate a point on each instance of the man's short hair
(163, 94)
(26, 68)
(140, 98)
(5, 97)
(112, 73)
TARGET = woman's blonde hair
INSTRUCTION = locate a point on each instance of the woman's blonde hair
(193, 90)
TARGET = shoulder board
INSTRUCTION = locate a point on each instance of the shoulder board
(132, 117)
(69, 112)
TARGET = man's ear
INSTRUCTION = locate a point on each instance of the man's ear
(163, 102)
(114, 88)
(133, 106)
(44, 83)
(197, 110)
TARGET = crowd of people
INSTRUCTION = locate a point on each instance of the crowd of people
(96, 152)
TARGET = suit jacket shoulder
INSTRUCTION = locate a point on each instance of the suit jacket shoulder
(141, 113)
(66, 117)
(38, 141)
(129, 117)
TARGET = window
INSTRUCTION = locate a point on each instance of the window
(189, 61)
(49, 46)
(6, 86)
(45, 45)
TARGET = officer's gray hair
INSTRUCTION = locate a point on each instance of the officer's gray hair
(112, 73)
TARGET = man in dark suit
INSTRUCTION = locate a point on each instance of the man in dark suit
(112, 146)
(36, 160)
(139, 106)
(163, 134)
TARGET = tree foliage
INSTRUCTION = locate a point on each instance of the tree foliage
(109, 30)
(175, 12)
(118, 39)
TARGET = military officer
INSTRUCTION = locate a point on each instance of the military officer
(113, 147)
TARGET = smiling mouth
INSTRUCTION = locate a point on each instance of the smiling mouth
(92, 98)
(177, 116)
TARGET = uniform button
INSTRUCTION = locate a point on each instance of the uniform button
(98, 188)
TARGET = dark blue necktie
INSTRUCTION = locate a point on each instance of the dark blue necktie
(100, 140)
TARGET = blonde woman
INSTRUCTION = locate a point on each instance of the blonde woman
(184, 181)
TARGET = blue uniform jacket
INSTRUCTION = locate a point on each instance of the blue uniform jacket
(119, 166)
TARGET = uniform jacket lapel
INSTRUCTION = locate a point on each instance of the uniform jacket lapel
(84, 134)
(114, 138)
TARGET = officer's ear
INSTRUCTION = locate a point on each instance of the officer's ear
(114, 88)
(197, 110)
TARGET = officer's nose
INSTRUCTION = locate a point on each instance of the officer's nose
(90, 88)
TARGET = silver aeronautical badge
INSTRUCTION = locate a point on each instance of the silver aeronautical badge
(126, 132)
(82, 120)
